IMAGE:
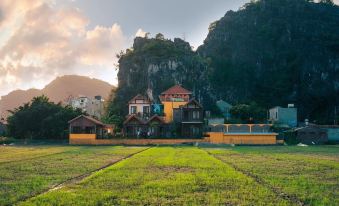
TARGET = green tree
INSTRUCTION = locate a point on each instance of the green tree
(248, 113)
(40, 119)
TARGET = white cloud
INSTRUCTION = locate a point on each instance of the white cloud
(43, 41)
(140, 33)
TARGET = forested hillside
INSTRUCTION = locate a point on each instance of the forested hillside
(277, 52)
(272, 52)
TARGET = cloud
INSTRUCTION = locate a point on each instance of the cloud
(140, 33)
(42, 41)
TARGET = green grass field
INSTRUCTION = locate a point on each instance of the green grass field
(169, 175)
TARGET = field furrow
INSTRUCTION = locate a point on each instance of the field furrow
(164, 176)
(309, 178)
(24, 179)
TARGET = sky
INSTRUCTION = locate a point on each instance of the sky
(43, 39)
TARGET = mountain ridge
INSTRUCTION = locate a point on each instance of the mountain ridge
(58, 90)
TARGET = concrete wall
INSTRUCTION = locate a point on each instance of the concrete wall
(214, 138)
(88, 139)
(252, 139)
(333, 134)
(286, 116)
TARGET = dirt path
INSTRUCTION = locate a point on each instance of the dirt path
(277, 191)
(77, 179)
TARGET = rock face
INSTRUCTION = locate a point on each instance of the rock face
(154, 65)
(277, 52)
(59, 90)
(272, 52)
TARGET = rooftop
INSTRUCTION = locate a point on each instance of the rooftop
(139, 97)
(177, 89)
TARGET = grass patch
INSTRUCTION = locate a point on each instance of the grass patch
(310, 173)
(25, 172)
(164, 176)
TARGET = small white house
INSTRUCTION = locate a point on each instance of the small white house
(284, 116)
(92, 106)
(139, 105)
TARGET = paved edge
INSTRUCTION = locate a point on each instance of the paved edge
(79, 178)
(276, 191)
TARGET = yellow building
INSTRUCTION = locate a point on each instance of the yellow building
(173, 98)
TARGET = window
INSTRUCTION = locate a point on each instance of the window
(196, 115)
(89, 130)
(185, 115)
(195, 131)
(76, 130)
(133, 109)
(145, 109)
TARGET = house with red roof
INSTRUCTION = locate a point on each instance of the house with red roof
(147, 119)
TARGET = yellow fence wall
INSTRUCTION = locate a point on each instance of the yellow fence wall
(90, 139)
(252, 139)
(214, 138)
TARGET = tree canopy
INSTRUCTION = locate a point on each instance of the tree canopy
(40, 119)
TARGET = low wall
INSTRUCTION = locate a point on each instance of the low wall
(213, 137)
(250, 138)
(90, 139)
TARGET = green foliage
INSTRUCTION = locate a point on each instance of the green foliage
(40, 119)
(276, 52)
(6, 140)
(156, 64)
(272, 52)
(248, 113)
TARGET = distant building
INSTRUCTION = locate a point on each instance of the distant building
(224, 108)
(284, 116)
(92, 106)
(332, 132)
(88, 126)
(311, 135)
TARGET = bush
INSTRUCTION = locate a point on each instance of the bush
(6, 140)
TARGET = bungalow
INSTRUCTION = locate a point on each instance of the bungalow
(87, 126)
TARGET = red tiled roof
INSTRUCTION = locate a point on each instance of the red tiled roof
(176, 89)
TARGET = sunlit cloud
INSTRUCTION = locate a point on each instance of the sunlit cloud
(42, 41)
(140, 33)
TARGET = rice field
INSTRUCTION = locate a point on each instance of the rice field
(172, 175)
